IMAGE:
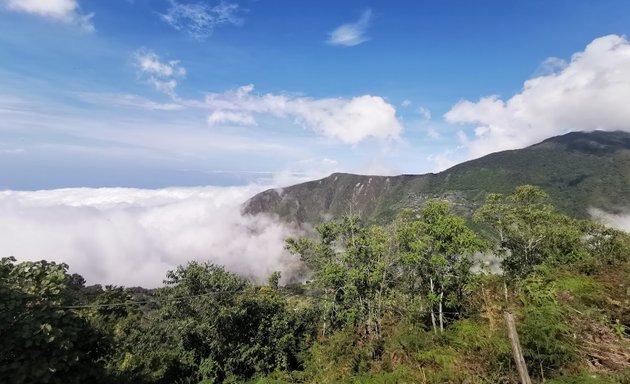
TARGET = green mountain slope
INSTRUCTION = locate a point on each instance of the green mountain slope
(579, 170)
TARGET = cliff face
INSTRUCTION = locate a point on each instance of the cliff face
(336, 195)
(579, 170)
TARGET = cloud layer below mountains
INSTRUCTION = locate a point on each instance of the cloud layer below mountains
(132, 237)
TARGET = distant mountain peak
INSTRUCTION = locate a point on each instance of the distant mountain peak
(579, 170)
(595, 142)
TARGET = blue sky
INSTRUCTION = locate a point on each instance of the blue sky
(157, 93)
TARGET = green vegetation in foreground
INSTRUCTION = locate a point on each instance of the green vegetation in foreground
(386, 304)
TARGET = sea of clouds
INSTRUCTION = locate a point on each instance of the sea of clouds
(131, 237)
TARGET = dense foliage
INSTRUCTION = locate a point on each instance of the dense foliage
(41, 342)
(406, 302)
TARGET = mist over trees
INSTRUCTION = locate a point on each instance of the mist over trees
(410, 301)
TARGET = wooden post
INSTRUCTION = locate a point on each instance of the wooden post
(516, 349)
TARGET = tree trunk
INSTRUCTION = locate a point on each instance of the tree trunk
(505, 291)
(431, 308)
(324, 315)
(516, 349)
(441, 313)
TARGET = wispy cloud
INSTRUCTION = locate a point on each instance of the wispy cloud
(150, 63)
(165, 131)
(66, 11)
(162, 75)
(351, 34)
(425, 113)
(200, 19)
(129, 101)
(433, 133)
(226, 117)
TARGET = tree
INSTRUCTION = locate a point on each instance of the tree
(354, 265)
(40, 341)
(436, 248)
(529, 230)
(274, 280)
(605, 246)
(173, 340)
(211, 324)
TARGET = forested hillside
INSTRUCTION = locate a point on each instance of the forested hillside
(579, 170)
(411, 301)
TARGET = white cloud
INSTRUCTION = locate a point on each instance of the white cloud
(66, 11)
(157, 73)
(406, 103)
(227, 117)
(349, 120)
(164, 86)
(199, 19)
(433, 133)
(462, 137)
(133, 236)
(149, 62)
(351, 34)
(619, 221)
(443, 160)
(425, 112)
(589, 93)
(551, 65)
(304, 170)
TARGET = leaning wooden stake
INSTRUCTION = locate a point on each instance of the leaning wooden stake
(516, 349)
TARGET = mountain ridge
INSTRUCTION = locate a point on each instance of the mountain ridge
(579, 170)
